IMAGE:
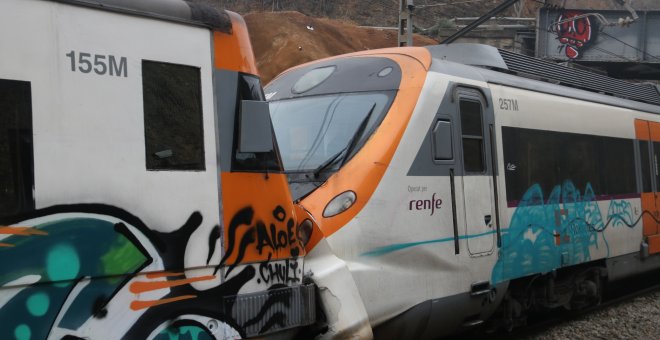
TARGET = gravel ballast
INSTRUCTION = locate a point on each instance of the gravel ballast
(638, 318)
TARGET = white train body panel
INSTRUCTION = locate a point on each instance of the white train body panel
(67, 108)
(123, 204)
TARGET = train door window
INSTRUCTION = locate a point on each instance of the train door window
(443, 149)
(654, 164)
(472, 135)
(644, 153)
(174, 135)
(16, 151)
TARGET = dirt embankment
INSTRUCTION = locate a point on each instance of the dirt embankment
(284, 39)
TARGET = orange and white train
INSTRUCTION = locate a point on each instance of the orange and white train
(453, 185)
(141, 195)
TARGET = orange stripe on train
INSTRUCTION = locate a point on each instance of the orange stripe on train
(138, 287)
(241, 58)
(138, 304)
(22, 231)
(360, 174)
(642, 129)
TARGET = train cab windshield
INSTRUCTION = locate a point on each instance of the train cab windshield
(322, 116)
(317, 133)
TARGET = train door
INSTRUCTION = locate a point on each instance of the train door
(476, 185)
(648, 136)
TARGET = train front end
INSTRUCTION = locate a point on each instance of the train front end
(338, 123)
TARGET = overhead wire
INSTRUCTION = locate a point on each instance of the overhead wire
(610, 53)
(429, 13)
(602, 31)
(600, 48)
(631, 46)
(428, 16)
(607, 51)
(603, 21)
(447, 4)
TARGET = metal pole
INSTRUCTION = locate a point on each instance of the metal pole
(506, 4)
(405, 22)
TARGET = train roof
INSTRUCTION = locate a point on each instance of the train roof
(170, 10)
(506, 68)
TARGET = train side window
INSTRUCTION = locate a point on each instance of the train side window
(249, 88)
(16, 151)
(443, 148)
(616, 166)
(472, 135)
(174, 135)
(552, 159)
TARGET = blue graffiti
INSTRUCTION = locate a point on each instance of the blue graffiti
(561, 231)
(380, 251)
(620, 213)
(68, 250)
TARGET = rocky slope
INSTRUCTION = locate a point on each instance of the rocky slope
(285, 39)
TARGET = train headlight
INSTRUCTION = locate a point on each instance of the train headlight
(305, 231)
(339, 204)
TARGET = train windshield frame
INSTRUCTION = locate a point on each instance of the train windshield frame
(320, 133)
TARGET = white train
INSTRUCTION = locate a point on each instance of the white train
(452, 185)
(140, 191)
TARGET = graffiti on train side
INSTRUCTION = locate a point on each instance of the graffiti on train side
(69, 270)
(54, 262)
(545, 235)
(277, 241)
(287, 271)
(187, 329)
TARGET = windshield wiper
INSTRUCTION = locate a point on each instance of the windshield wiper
(354, 140)
(346, 151)
(328, 162)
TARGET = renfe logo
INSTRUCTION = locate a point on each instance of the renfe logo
(431, 204)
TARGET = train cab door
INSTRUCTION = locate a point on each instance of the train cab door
(648, 136)
(476, 184)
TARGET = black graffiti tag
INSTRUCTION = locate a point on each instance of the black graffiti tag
(271, 238)
(276, 240)
(279, 272)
